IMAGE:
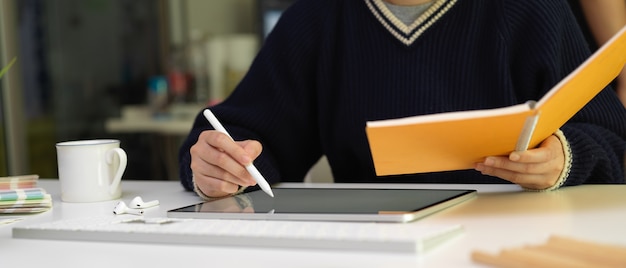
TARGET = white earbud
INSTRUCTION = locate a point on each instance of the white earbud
(121, 208)
(137, 202)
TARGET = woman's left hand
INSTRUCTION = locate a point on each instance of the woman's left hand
(537, 168)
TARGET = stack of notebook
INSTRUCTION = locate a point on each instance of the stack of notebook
(20, 194)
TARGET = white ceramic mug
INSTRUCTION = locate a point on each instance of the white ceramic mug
(90, 170)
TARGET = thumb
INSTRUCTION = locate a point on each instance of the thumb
(252, 147)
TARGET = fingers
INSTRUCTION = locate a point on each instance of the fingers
(218, 163)
(224, 143)
(214, 156)
(213, 187)
(536, 168)
(517, 173)
(548, 150)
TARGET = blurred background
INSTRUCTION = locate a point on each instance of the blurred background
(133, 70)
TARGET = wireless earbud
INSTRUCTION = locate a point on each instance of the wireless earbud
(121, 208)
(137, 202)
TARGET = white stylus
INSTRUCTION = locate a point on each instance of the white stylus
(250, 167)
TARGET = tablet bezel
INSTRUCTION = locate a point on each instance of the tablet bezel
(453, 197)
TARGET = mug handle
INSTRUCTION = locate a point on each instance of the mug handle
(120, 170)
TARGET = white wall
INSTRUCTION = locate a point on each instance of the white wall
(222, 16)
(213, 17)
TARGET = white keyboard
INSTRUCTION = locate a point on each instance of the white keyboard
(381, 237)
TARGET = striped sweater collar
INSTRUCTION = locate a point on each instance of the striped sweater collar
(407, 34)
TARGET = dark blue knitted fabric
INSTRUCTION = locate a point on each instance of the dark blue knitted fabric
(331, 65)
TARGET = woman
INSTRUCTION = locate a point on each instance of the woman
(330, 66)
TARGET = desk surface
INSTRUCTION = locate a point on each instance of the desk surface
(501, 216)
(177, 121)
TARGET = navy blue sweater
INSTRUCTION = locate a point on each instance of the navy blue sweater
(331, 65)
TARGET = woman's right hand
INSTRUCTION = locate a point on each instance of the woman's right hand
(218, 163)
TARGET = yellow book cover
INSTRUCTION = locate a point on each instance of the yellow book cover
(458, 140)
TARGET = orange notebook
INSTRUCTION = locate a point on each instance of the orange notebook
(458, 140)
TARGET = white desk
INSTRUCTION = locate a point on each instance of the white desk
(501, 216)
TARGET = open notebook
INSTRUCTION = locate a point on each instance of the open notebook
(458, 140)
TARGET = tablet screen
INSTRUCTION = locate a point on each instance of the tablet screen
(328, 204)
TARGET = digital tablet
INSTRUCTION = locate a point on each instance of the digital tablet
(328, 204)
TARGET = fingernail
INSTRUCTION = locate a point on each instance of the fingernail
(489, 161)
(514, 157)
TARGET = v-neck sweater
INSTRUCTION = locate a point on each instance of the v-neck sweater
(329, 66)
